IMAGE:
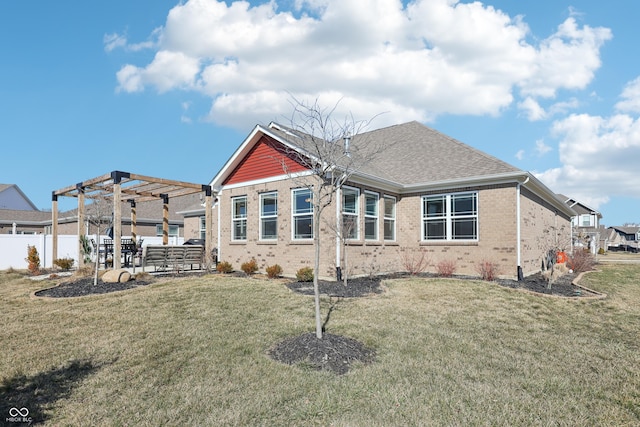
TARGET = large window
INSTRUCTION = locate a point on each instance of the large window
(389, 218)
(269, 216)
(450, 217)
(302, 213)
(239, 218)
(371, 215)
(350, 212)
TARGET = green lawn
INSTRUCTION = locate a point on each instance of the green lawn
(193, 351)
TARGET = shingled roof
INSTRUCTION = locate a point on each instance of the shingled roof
(413, 153)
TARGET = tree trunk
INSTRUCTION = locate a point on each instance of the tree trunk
(316, 264)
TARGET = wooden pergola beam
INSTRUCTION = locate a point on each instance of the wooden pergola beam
(136, 188)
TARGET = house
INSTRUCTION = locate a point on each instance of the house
(587, 231)
(624, 238)
(426, 195)
(18, 215)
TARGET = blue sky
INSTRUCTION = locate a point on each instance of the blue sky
(170, 89)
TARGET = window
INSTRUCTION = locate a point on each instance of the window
(174, 230)
(269, 216)
(203, 228)
(371, 216)
(450, 217)
(239, 218)
(389, 218)
(350, 212)
(585, 220)
(302, 214)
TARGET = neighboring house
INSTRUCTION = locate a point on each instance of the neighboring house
(12, 198)
(427, 194)
(586, 229)
(625, 238)
(18, 215)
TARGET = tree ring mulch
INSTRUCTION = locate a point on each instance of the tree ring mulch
(333, 353)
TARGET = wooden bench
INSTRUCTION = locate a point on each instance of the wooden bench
(178, 258)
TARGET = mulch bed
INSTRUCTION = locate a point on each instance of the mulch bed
(363, 286)
(84, 286)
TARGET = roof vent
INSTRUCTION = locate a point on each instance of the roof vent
(347, 146)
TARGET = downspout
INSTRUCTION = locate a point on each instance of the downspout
(219, 231)
(338, 234)
(518, 229)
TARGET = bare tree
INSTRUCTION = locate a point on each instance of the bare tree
(99, 215)
(324, 147)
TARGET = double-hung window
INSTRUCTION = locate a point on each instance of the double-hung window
(350, 212)
(371, 215)
(239, 218)
(450, 217)
(389, 218)
(174, 230)
(269, 216)
(302, 213)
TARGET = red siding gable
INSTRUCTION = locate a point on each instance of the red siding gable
(264, 161)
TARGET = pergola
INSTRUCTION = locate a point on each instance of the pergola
(132, 188)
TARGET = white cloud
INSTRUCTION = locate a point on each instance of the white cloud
(431, 57)
(114, 41)
(599, 158)
(630, 97)
(520, 154)
(542, 148)
(532, 109)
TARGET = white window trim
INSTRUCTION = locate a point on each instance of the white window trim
(376, 217)
(175, 227)
(271, 216)
(448, 217)
(239, 219)
(294, 215)
(356, 214)
(390, 218)
(202, 227)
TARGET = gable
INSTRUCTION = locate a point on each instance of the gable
(267, 158)
(12, 198)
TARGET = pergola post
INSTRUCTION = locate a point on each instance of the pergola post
(54, 226)
(82, 229)
(165, 219)
(133, 231)
(117, 221)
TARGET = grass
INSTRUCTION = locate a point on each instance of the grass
(193, 351)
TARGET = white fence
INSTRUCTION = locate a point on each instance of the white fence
(13, 248)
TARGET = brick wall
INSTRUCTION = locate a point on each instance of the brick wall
(496, 230)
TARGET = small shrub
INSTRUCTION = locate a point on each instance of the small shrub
(86, 270)
(273, 271)
(488, 270)
(224, 267)
(446, 268)
(601, 251)
(581, 260)
(305, 274)
(33, 259)
(64, 263)
(249, 267)
(414, 262)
